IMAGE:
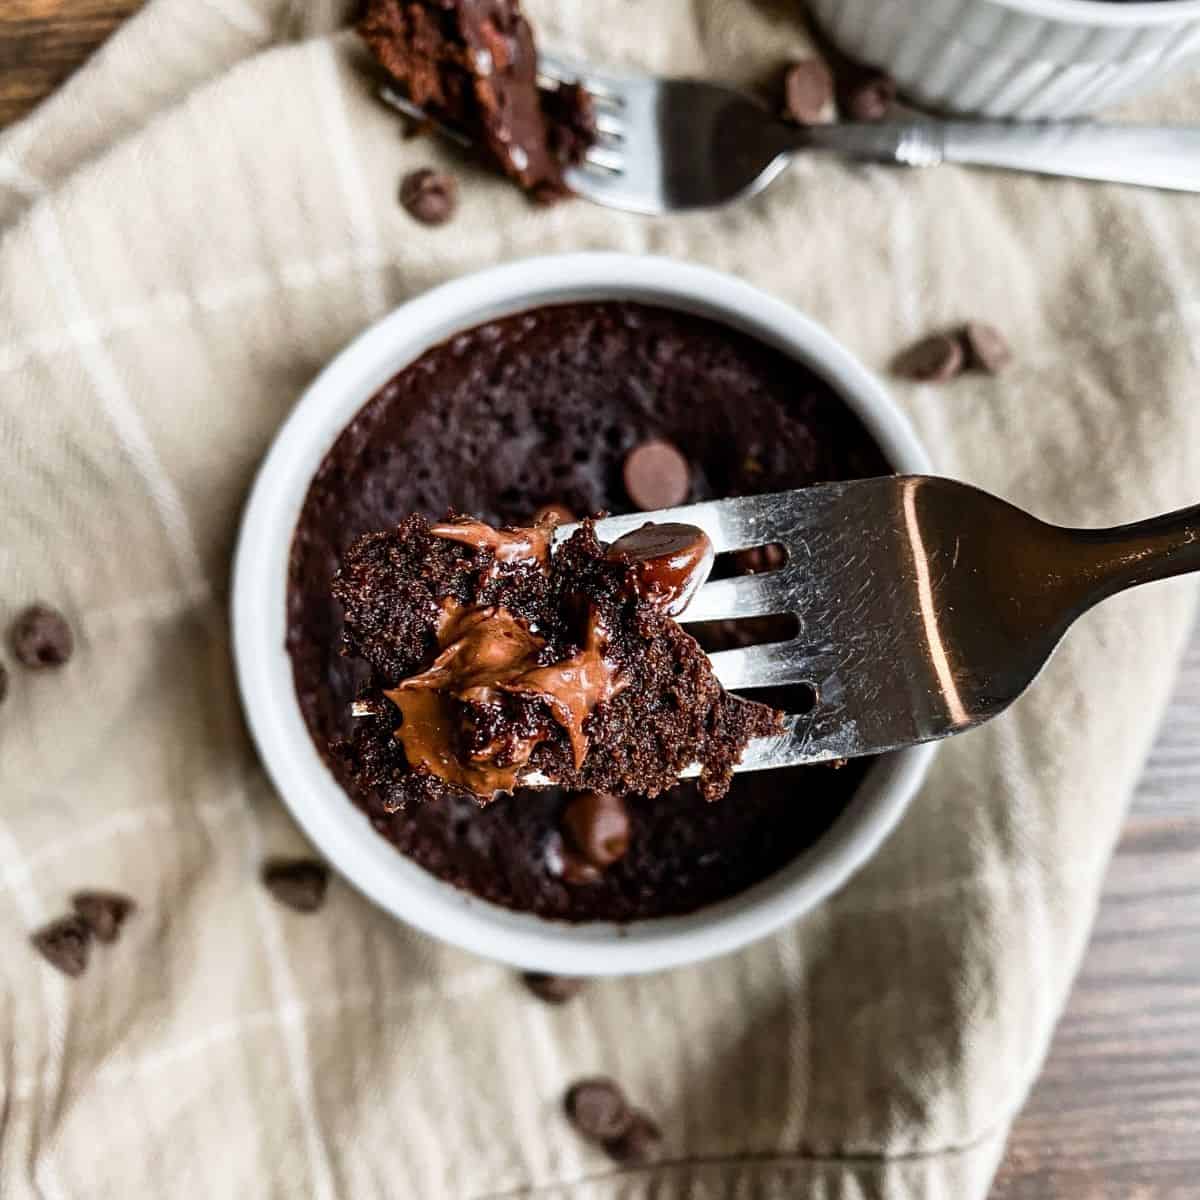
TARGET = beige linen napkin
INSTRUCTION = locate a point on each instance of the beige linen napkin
(189, 231)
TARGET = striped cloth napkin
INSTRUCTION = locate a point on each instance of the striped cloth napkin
(188, 231)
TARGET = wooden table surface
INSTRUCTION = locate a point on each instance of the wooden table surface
(1116, 1113)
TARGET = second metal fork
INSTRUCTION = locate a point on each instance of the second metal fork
(669, 145)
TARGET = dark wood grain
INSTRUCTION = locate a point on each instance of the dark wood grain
(1116, 1113)
(43, 41)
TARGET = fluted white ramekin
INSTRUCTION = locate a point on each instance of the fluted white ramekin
(335, 826)
(1031, 59)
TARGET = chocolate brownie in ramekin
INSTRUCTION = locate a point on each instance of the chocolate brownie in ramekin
(545, 408)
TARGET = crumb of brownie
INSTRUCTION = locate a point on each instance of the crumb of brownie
(492, 658)
(472, 64)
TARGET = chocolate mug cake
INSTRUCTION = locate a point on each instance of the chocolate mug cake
(497, 662)
(555, 407)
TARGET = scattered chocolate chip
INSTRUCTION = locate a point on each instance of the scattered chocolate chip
(103, 912)
(554, 989)
(598, 825)
(65, 944)
(638, 1143)
(560, 512)
(3, 682)
(298, 883)
(597, 1108)
(870, 97)
(656, 476)
(760, 559)
(41, 637)
(987, 348)
(429, 196)
(934, 359)
(808, 92)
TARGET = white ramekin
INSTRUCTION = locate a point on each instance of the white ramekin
(339, 829)
(1032, 59)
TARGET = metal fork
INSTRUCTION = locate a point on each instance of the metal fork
(926, 606)
(669, 145)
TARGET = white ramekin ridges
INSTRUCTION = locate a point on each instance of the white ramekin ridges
(1030, 59)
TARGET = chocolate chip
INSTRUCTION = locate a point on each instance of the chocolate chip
(41, 637)
(870, 97)
(670, 562)
(560, 512)
(656, 476)
(576, 869)
(597, 1108)
(987, 348)
(429, 196)
(567, 864)
(554, 989)
(934, 359)
(598, 825)
(638, 1143)
(760, 559)
(299, 883)
(103, 912)
(65, 943)
(808, 92)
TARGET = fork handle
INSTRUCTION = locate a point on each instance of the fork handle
(1111, 560)
(1161, 156)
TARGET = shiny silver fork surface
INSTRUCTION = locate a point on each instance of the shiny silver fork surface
(925, 606)
(669, 145)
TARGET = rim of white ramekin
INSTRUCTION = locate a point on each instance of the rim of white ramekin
(1096, 12)
(319, 805)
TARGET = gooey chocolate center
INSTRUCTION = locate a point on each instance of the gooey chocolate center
(486, 653)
